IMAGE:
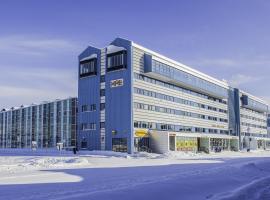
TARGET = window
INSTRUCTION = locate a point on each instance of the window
(103, 139)
(88, 126)
(102, 106)
(93, 107)
(92, 126)
(102, 124)
(102, 92)
(116, 61)
(102, 78)
(84, 144)
(119, 144)
(84, 126)
(88, 67)
(87, 108)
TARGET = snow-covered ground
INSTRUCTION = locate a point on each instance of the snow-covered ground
(26, 175)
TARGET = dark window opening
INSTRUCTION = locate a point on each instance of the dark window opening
(102, 106)
(117, 61)
(102, 124)
(84, 144)
(102, 92)
(88, 67)
(119, 144)
(88, 108)
(102, 78)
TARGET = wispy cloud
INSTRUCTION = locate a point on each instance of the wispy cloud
(35, 84)
(239, 79)
(30, 45)
(36, 68)
(232, 62)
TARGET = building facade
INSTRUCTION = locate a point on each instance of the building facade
(40, 125)
(133, 99)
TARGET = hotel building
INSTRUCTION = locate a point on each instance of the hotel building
(39, 125)
(131, 99)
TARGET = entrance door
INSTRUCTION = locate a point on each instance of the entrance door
(172, 143)
(142, 144)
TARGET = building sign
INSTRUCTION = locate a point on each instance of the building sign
(218, 126)
(186, 144)
(141, 132)
(117, 83)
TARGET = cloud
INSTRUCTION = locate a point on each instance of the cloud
(36, 68)
(240, 79)
(29, 85)
(30, 45)
(228, 63)
(218, 62)
(266, 98)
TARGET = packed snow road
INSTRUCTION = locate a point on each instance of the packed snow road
(109, 176)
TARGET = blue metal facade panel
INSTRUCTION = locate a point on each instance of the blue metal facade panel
(88, 93)
(119, 101)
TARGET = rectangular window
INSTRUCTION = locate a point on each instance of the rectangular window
(102, 92)
(88, 67)
(88, 126)
(83, 126)
(102, 78)
(93, 107)
(116, 61)
(87, 108)
(102, 124)
(102, 106)
(92, 126)
(103, 139)
(119, 144)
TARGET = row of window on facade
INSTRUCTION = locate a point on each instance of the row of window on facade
(91, 126)
(253, 118)
(115, 61)
(176, 99)
(175, 87)
(254, 111)
(176, 112)
(257, 104)
(176, 128)
(254, 135)
(182, 76)
(253, 125)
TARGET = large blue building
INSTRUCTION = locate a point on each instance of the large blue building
(133, 99)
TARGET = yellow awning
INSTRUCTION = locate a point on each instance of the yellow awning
(141, 132)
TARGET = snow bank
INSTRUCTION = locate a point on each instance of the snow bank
(15, 164)
(256, 190)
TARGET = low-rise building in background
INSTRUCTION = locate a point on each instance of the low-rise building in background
(39, 125)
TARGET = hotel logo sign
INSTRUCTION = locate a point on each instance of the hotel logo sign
(117, 83)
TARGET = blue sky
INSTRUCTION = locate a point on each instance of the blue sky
(40, 41)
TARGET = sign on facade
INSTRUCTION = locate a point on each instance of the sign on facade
(117, 83)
